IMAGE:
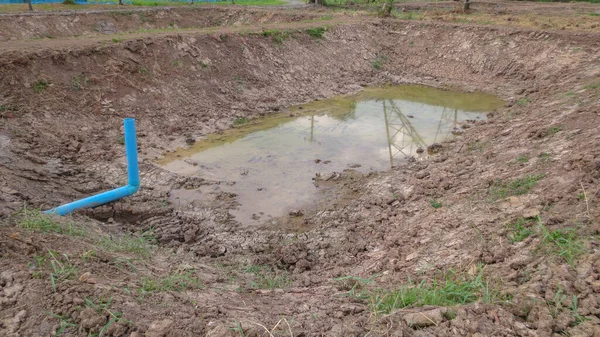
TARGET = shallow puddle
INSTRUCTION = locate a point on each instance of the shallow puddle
(271, 162)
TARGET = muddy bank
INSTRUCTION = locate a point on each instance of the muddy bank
(63, 142)
(94, 23)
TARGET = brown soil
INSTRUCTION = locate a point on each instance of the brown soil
(62, 106)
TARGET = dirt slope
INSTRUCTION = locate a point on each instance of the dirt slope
(190, 270)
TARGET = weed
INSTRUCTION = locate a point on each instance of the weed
(523, 101)
(317, 32)
(115, 40)
(37, 221)
(121, 263)
(139, 245)
(240, 121)
(121, 140)
(102, 307)
(545, 156)
(78, 82)
(435, 203)
(554, 130)
(61, 268)
(203, 64)
(326, 17)
(478, 146)
(578, 318)
(379, 61)
(172, 282)
(449, 314)
(450, 290)
(352, 284)
(144, 71)
(177, 64)
(63, 323)
(40, 85)
(412, 43)
(522, 159)
(520, 186)
(563, 243)
(88, 255)
(68, 2)
(268, 278)
(277, 35)
(238, 328)
(593, 86)
(520, 231)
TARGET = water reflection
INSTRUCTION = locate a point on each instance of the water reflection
(270, 167)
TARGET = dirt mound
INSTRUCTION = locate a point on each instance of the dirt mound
(496, 234)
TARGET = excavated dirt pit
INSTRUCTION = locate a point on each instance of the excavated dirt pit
(500, 221)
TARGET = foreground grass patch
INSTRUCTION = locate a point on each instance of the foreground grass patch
(451, 289)
(37, 221)
(141, 246)
(172, 282)
(268, 278)
(520, 186)
(563, 243)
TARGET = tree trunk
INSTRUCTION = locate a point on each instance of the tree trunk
(29, 4)
(121, 2)
(467, 5)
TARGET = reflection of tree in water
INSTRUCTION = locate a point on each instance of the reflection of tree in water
(342, 111)
(402, 136)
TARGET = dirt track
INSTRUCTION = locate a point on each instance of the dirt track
(205, 274)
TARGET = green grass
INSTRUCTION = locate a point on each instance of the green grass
(64, 323)
(240, 121)
(545, 156)
(451, 289)
(59, 268)
(520, 186)
(40, 85)
(79, 82)
(523, 101)
(379, 61)
(554, 130)
(563, 243)
(35, 220)
(115, 40)
(522, 159)
(277, 35)
(594, 85)
(141, 246)
(520, 230)
(317, 32)
(172, 282)
(268, 278)
(435, 203)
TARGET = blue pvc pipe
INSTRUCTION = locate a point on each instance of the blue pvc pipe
(133, 177)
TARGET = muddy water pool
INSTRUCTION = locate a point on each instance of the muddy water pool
(271, 163)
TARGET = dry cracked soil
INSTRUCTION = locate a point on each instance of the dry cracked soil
(495, 234)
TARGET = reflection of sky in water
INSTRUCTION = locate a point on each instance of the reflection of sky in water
(281, 160)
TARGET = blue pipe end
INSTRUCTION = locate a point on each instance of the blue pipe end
(133, 176)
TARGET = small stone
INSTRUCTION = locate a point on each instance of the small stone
(530, 212)
(596, 286)
(424, 319)
(412, 256)
(85, 276)
(159, 328)
(515, 201)
(422, 174)
(296, 212)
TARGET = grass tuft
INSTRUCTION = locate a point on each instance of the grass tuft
(450, 290)
(317, 32)
(37, 221)
(563, 243)
(268, 278)
(139, 245)
(435, 203)
(520, 230)
(40, 85)
(240, 121)
(172, 282)
(520, 186)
